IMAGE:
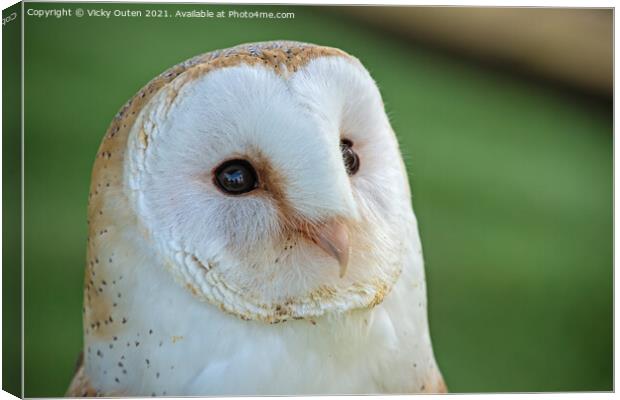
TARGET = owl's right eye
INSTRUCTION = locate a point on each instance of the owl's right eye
(236, 177)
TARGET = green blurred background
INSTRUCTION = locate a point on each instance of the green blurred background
(511, 173)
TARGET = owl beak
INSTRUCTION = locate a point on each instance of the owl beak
(333, 238)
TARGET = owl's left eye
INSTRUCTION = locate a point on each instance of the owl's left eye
(349, 156)
(236, 177)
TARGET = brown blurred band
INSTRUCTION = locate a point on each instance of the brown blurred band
(573, 46)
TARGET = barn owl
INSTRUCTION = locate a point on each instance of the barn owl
(251, 233)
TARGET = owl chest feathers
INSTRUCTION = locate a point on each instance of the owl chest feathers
(163, 341)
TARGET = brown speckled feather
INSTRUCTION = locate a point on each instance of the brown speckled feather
(80, 386)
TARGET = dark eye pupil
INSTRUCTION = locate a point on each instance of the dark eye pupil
(350, 157)
(236, 177)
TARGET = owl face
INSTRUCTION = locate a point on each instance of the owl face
(272, 190)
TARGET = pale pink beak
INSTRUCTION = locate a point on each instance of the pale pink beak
(333, 238)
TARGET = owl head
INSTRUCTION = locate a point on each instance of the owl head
(266, 178)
